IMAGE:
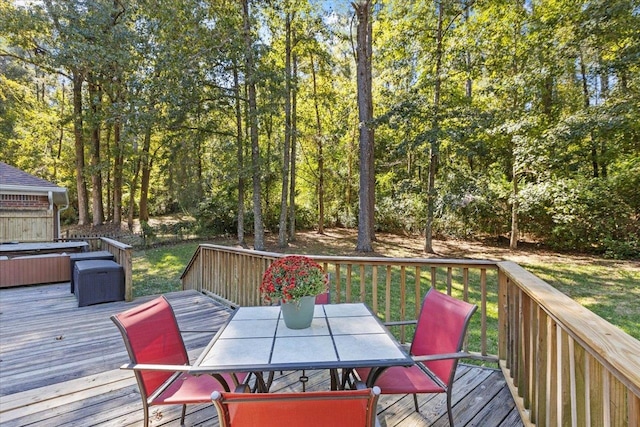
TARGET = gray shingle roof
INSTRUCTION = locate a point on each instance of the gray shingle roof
(14, 176)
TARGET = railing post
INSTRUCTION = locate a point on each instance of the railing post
(503, 317)
(123, 255)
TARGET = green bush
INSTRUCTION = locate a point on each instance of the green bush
(217, 216)
(402, 214)
(582, 215)
(472, 205)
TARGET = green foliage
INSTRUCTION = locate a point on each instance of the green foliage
(403, 213)
(581, 215)
(471, 205)
(148, 232)
(218, 216)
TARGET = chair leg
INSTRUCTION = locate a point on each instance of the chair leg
(303, 379)
(415, 402)
(269, 380)
(184, 412)
(145, 408)
(449, 408)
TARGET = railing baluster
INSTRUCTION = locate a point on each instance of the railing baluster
(374, 290)
(418, 291)
(433, 277)
(387, 295)
(363, 289)
(552, 369)
(465, 283)
(348, 291)
(338, 284)
(403, 300)
(633, 409)
(606, 398)
(483, 311)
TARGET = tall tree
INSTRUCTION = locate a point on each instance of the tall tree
(286, 149)
(239, 155)
(294, 142)
(434, 146)
(258, 226)
(319, 142)
(68, 26)
(95, 102)
(366, 220)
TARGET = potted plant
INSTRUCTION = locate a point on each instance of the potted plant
(293, 282)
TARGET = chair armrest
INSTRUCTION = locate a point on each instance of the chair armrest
(152, 367)
(443, 356)
(401, 322)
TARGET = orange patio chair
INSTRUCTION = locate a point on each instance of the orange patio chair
(160, 362)
(436, 349)
(348, 408)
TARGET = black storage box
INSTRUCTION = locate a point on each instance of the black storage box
(98, 281)
(86, 256)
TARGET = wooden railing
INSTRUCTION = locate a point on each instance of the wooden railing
(123, 256)
(564, 365)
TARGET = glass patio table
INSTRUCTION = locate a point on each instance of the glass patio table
(341, 336)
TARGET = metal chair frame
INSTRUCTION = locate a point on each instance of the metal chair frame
(462, 311)
(173, 371)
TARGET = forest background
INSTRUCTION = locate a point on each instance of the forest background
(513, 118)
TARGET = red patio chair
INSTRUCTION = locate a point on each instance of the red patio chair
(159, 359)
(436, 349)
(348, 408)
(323, 299)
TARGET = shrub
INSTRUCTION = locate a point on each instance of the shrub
(217, 216)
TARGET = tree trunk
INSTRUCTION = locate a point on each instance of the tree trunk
(61, 136)
(118, 162)
(434, 150)
(95, 100)
(319, 143)
(282, 226)
(585, 102)
(134, 181)
(240, 157)
(147, 163)
(294, 141)
(513, 242)
(515, 231)
(81, 185)
(365, 116)
(258, 226)
(109, 198)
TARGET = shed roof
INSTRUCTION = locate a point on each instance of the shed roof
(16, 181)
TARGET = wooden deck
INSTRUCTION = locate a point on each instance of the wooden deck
(59, 366)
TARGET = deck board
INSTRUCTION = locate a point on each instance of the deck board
(59, 366)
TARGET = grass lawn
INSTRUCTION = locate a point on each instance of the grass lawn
(611, 289)
(613, 293)
(157, 270)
